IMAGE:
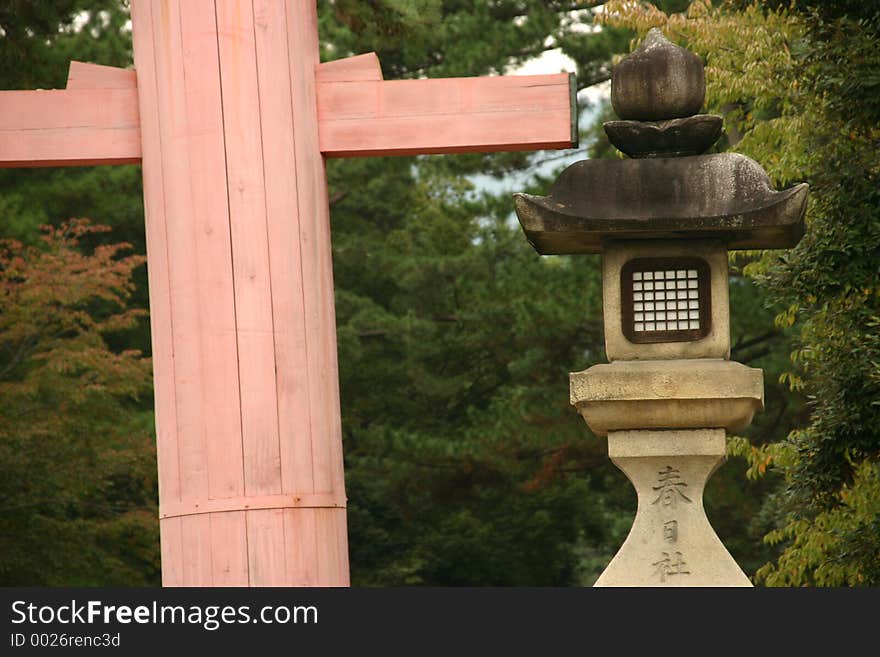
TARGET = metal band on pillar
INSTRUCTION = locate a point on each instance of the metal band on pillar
(252, 503)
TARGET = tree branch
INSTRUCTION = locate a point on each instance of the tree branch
(755, 355)
(751, 342)
(337, 196)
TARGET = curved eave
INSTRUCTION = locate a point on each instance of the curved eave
(776, 223)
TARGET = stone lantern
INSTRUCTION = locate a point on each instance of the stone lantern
(664, 221)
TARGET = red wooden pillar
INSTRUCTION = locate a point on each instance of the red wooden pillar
(241, 294)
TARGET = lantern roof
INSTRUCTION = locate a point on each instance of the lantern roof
(668, 189)
(725, 195)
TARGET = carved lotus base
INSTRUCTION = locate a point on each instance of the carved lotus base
(672, 138)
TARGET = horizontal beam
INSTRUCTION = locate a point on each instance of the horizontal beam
(446, 115)
(94, 121)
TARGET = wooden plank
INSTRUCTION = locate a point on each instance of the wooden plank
(160, 292)
(450, 115)
(95, 121)
(82, 75)
(340, 522)
(229, 565)
(76, 127)
(205, 258)
(316, 254)
(182, 246)
(301, 545)
(266, 547)
(350, 69)
(333, 555)
(282, 212)
(186, 176)
(171, 551)
(61, 109)
(197, 558)
(241, 95)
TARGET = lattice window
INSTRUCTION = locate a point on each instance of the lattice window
(665, 299)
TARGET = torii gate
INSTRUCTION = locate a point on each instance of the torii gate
(231, 114)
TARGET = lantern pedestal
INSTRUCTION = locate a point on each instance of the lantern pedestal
(654, 413)
(667, 394)
(671, 542)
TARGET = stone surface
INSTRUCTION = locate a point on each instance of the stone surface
(726, 196)
(670, 394)
(715, 345)
(671, 543)
(691, 135)
(658, 81)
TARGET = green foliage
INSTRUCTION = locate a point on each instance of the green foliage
(77, 462)
(836, 546)
(454, 38)
(40, 37)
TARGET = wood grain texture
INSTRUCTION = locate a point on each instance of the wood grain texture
(301, 546)
(191, 284)
(171, 551)
(229, 566)
(82, 75)
(205, 285)
(161, 332)
(76, 127)
(197, 556)
(317, 278)
(450, 115)
(333, 553)
(350, 69)
(266, 547)
(237, 206)
(240, 92)
(285, 250)
(95, 121)
(317, 266)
